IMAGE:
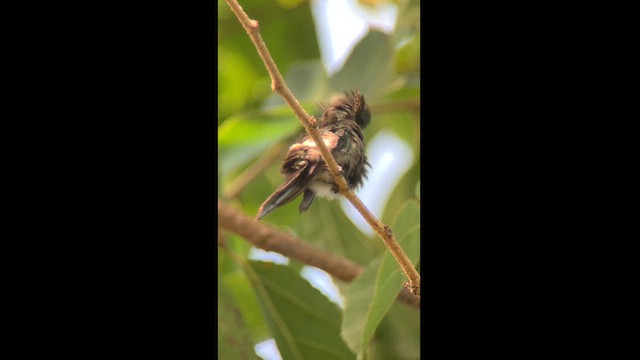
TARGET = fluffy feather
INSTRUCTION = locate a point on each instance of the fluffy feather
(304, 169)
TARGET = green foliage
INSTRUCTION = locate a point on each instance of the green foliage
(308, 80)
(238, 287)
(260, 300)
(398, 336)
(232, 329)
(371, 295)
(304, 322)
(243, 137)
(361, 66)
(289, 33)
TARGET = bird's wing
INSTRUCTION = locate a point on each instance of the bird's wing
(302, 165)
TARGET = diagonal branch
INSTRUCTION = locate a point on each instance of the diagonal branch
(310, 124)
(270, 239)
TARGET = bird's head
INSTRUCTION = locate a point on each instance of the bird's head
(351, 106)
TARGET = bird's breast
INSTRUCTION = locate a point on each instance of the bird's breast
(323, 189)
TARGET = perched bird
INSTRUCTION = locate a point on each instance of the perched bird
(304, 170)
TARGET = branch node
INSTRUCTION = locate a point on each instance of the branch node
(388, 231)
(414, 289)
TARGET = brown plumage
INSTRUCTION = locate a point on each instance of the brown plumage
(304, 170)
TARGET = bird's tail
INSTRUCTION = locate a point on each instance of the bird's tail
(292, 187)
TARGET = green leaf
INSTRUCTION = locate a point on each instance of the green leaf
(241, 138)
(243, 80)
(408, 23)
(324, 225)
(369, 67)
(261, 128)
(289, 33)
(232, 328)
(304, 323)
(373, 293)
(398, 336)
(333, 230)
(408, 57)
(407, 220)
(307, 80)
(289, 4)
(237, 77)
(240, 287)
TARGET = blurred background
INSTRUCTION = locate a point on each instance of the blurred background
(322, 48)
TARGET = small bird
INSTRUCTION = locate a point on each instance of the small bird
(304, 169)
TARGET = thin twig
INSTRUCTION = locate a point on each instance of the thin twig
(310, 124)
(270, 239)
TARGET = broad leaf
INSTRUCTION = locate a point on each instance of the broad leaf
(308, 81)
(242, 138)
(325, 225)
(305, 324)
(243, 80)
(371, 295)
(370, 67)
(398, 336)
(234, 337)
(245, 299)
